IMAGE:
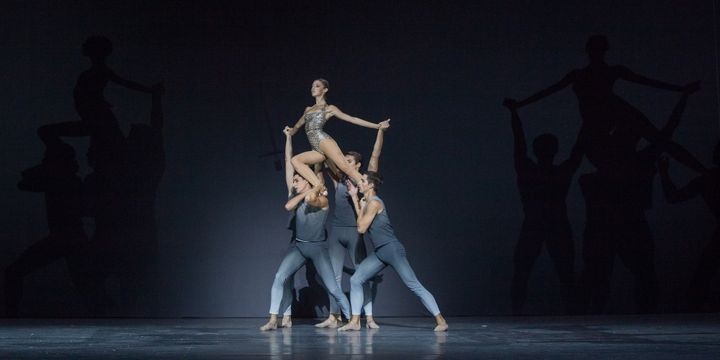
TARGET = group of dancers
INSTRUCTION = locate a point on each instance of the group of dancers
(617, 194)
(359, 213)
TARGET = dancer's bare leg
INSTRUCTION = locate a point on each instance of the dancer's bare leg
(301, 162)
(333, 153)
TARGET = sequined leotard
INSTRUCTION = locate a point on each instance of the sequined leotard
(314, 122)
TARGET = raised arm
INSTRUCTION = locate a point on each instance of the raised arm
(374, 162)
(334, 111)
(289, 169)
(628, 75)
(674, 195)
(129, 84)
(576, 154)
(563, 83)
(519, 143)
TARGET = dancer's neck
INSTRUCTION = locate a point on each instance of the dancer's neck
(320, 101)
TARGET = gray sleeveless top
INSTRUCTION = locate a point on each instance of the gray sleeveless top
(310, 223)
(344, 212)
(381, 231)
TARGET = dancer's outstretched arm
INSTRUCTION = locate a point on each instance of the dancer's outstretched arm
(334, 111)
(627, 74)
(132, 85)
(289, 169)
(563, 83)
(674, 195)
(374, 162)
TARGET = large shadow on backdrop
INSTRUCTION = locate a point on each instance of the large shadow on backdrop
(706, 186)
(119, 195)
(617, 195)
(543, 188)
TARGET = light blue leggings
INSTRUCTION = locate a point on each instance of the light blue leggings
(298, 253)
(392, 254)
(345, 239)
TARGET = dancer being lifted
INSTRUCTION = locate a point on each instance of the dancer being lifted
(373, 219)
(310, 207)
(323, 146)
(614, 126)
(344, 237)
(96, 117)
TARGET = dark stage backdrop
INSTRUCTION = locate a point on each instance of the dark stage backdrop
(237, 73)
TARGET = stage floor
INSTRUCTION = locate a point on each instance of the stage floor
(609, 337)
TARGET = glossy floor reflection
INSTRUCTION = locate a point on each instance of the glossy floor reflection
(617, 337)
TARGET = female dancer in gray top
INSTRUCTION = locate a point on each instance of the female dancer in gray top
(324, 147)
(310, 207)
(373, 220)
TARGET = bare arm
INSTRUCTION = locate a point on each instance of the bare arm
(289, 169)
(374, 162)
(567, 80)
(576, 154)
(316, 199)
(351, 119)
(129, 84)
(291, 204)
(627, 74)
(367, 215)
(674, 195)
(519, 143)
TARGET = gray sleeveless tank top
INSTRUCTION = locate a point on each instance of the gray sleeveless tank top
(310, 223)
(381, 231)
(344, 212)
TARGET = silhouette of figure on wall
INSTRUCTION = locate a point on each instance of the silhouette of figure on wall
(614, 126)
(125, 242)
(616, 225)
(56, 177)
(543, 188)
(707, 186)
(96, 117)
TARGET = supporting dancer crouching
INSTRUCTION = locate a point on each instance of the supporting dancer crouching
(373, 219)
(310, 206)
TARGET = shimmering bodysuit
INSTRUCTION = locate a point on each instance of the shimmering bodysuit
(314, 122)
